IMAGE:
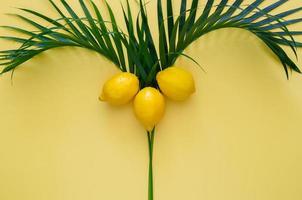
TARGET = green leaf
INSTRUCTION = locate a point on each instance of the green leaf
(268, 9)
(117, 39)
(182, 15)
(76, 32)
(172, 43)
(145, 29)
(54, 22)
(94, 29)
(170, 17)
(163, 43)
(193, 12)
(278, 16)
(249, 9)
(278, 25)
(104, 30)
(81, 25)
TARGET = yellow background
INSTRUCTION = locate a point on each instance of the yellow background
(238, 138)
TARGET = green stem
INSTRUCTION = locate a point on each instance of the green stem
(150, 183)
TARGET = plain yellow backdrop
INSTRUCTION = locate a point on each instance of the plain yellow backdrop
(238, 138)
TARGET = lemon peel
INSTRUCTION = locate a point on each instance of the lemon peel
(176, 83)
(149, 107)
(120, 89)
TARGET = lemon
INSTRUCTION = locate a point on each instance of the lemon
(120, 89)
(149, 107)
(176, 83)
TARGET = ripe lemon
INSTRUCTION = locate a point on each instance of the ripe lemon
(176, 83)
(149, 107)
(120, 89)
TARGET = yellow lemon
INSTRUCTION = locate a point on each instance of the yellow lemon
(149, 107)
(120, 89)
(176, 83)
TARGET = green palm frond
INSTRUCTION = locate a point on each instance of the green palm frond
(256, 20)
(134, 49)
(177, 33)
(73, 31)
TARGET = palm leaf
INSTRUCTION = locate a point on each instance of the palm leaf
(252, 18)
(74, 33)
(135, 50)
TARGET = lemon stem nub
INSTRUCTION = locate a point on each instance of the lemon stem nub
(102, 97)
